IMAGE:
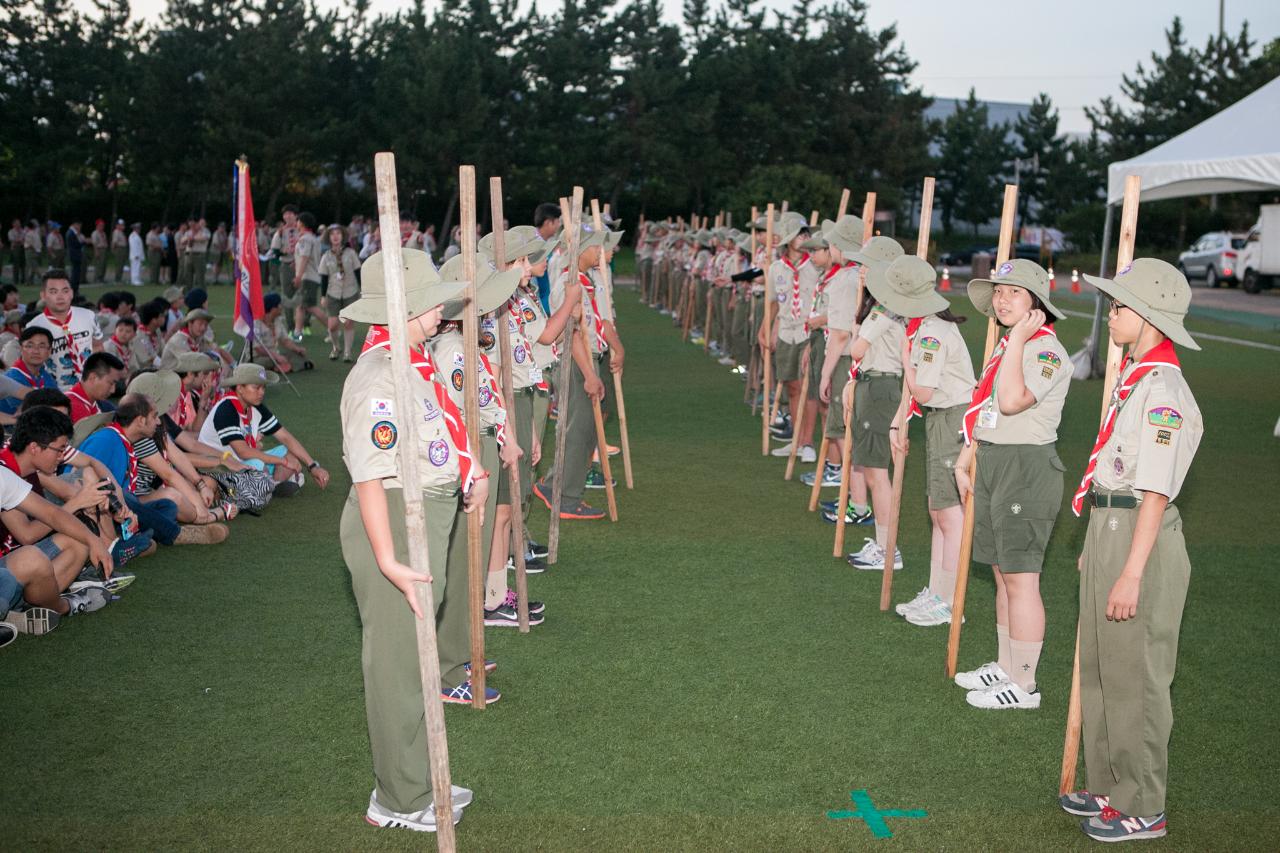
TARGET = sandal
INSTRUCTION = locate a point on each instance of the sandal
(225, 511)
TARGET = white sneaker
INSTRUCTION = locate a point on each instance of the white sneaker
(1005, 696)
(984, 676)
(871, 557)
(921, 597)
(423, 821)
(808, 455)
(87, 600)
(935, 611)
(782, 452)
(727, 360)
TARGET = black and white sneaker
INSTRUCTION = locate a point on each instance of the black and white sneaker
(88, 600)
(1003, 696)
(423, 821)
(532, 566)
(535, 551)
(506, 616)
(8, 634)
(34, 620)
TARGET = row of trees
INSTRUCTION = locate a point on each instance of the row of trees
(101, 112)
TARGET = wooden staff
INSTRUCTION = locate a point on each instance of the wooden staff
(797, 418)
(471, 406)
(813, 218)
(602, 446)
(518, 544)
(572, 228)
(764, 350)
(1124, 257)
(606, 279)
(904, 409)
(753, 363)
(384, 164)
(1003, 251)
(820, 468)
(706, 335)
(846, 453)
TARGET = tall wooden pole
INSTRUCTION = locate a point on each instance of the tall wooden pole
(1003, 250)
(606, 279)
(846, 452)
(764, 350)
(753, 365)
(602, 446)
(904, 408)
(384, 164)
(518, 545)
(572, 225)
(1124, 256)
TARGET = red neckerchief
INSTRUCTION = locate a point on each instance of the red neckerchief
(795, 282)
(35, 380)
(183, 412)
(65, 325)
(988, 381)
(913, 326)
(380, 338)
(589, 286)
(817, 291)
(246, 417)
(9, 460)
(1161, 355)
(133, 456)
(78, 395)
(500, 430)
(123, 347)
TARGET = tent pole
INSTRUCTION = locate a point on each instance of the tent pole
(1096, 360)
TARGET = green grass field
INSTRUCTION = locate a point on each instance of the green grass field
(708, 678)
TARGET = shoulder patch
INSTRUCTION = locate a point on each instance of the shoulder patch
(456, 379)
(1165, 416)
(380, 408)
(459, 359)
(930, 343)
(1050, 358)
(384, 435)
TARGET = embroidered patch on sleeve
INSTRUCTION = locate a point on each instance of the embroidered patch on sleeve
(1165, 416)
(1164, 436)
(930, 343)
(380, 408)
(456, 379)
(1049, 357)
(384, 435)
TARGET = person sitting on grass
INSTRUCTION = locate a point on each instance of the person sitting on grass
(36, 343)
(108, 312)
(198, 300)
(116, 447)
(239, 420)
(272, 346)
(9, 349)
(102, 371)
(147, 344)
(32, 583)
(190, 337)
(175, 309)
(120, 344)
(198, 378)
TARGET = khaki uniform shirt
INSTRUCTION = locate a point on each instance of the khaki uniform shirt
(198, 240)
(307, 253)
(535, 321)
(31, 240)
(556, 299)
(99, 240)
(371, 426)
(342, 277)
(447, 351)
(942, 362)
(54, 242)
(842, 295)
(178, 343)
(1155, 437)
(16, 237)
(1046, 370)
(218, 243)
(284, 241)
(143, 354)
(885, 332)
(526, 370)
(119, 240)
(791, 328)
(154, 244)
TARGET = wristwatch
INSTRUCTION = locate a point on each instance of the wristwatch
(313, 466)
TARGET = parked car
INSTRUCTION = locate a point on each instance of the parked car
(1214, 257)
(964, 257)
(1260, 257)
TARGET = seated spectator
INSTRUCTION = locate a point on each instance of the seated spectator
(10, 299)
(115, 446)
(102, 371)
(32, 583)
(146, 346)
(188, 338)
(198, 300)
(175, 308)
(272, 346)
(36, 343)
(198, 381)
(10, 350)
(120, 344)
(239, 420)
(108, 308)
(128, 305)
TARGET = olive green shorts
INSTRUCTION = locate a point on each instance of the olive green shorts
(942, 445)
(310, 293)
(786, 362)
(521, 421)
(835, 409)
(1016, 501)
(817, 352)
(875, 402)
(333, 305)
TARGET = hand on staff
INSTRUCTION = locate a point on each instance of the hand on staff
(474, 500)
(593, 386)
(963, 483)
(898, 440)
(1027, 326)
(510, 454)
(804, 361)
(846, 400)
(824, 390)
(403, 578)
(616, 356)
(535, 452)
(1122, 603)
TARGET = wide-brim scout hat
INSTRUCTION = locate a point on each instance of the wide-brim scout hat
(1154, 290)
(197, 314)
(791, 224)
(195, 362)
(815, 242)
(86, 427)
(612, 239)
(160, 386)
(878, 251)
(524, 241)
(906, 287)
(423, 288)
(172, 294)
(493, 288)
(250, 374)
(845, 233)
(14, 316)
(1019, 272)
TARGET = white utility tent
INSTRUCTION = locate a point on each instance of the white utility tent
(1237, 150)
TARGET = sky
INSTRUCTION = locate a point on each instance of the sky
(1013, 51)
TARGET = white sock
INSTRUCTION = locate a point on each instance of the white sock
(881, 533)
(1026, 657)
(495, 588)
(1005, 658)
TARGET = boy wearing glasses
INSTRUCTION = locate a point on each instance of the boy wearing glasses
(36, 345)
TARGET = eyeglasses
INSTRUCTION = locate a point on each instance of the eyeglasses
(58, 450)
(1115, 307)
(32, 345)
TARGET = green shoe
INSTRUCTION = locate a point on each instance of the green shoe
(595, 479)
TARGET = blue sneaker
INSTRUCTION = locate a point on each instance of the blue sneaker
(1111, 825)
(1083, 804)
(461, 695)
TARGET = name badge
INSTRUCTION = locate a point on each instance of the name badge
(987, 418)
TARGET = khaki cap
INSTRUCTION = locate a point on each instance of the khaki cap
(172, 294)
(85, 427)
(493, 288)
(198, 314)
(845, 233)
(194, 362)
(160, 386)
(789, 225)
(423, 288)
(906, 287)
(877, 250)
(250, 374)
(1154, 290)
(1019, 272)
(816, 241)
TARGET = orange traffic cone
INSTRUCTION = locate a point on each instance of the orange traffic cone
(946, 280)
(1053, 282)
(1075, 281)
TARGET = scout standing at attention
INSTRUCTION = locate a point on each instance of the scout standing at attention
(375, 541)
(939, 373)
(1134, 569)
(1012, 425)
(844, 238)
(793, 279)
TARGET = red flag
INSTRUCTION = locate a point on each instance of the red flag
(248, 273)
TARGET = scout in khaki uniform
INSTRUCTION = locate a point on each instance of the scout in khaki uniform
(816, 322)
(155, 252)
(119, 251)
(843, 238)
(101, 246)
(189, 337)
(793, 279)
(17, 254)
(283, 242)
(939, 373)
(338, 268)
(219, 246)
(1134, 569)
(740, 304)
(198, 240)
(306, 277)
(33, 251)
(375, 541)
(1012, 426)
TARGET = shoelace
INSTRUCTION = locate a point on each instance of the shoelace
(1109, 814)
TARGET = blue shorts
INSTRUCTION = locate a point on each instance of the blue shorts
(48, 547)
(280, 451)
(10, 590)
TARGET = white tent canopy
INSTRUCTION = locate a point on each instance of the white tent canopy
(1237, 150)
